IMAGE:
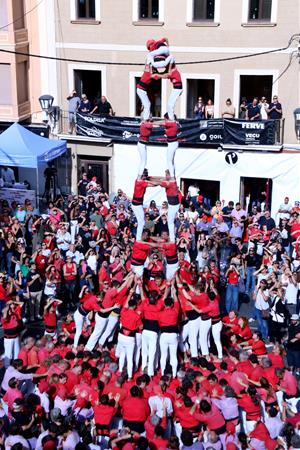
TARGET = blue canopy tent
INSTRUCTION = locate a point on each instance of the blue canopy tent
(20, 147)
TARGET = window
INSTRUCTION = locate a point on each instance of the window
(3, 15)
(255, 86)
(148, 9)
(197, 88)
(204, 10)
(22, 82)
(155, 97)
(260, 10)
(86, 9)
(5, 85)
(18, 14)
(88, 82)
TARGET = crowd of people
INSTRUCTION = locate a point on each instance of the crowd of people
(122, 337)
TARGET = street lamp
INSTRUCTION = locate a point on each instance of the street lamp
(297, 123)
(51, 113)
(46, 101)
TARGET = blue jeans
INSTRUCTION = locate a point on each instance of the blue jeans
(250, 282)
(262, 324)
(232, 297)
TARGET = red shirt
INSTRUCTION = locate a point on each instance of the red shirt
(145, 131)
(172, 192)
(151, 312)
(289, 383)
(140, 252)
(252, 411)
(91, 304)
(233, 277)
(295, 228)
(130, 319)
(135, 409)
(140, 187)
(277, 360)
(258, 347)
(169, 316)
(103, 414)
(170, 251)
(213, 419)
(182, 413)
(171, 129)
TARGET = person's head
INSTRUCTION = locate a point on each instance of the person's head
(228, 102)
(255, 101)
(295, 319)
(275, 98)
(187, 438)
(103, 99)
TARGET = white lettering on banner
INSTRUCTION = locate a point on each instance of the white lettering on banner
(257, 126)
(252, 136)
(212, 137)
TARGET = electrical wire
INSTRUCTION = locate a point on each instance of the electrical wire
(207, 61)
(292, 55)
(21, 17)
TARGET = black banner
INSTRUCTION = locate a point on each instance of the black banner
(246, 132)
(191, 131)
(127, 129)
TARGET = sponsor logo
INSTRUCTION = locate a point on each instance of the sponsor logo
(128, 122)
(93, 119)
(203, 137)
(215, 137)
(231, 158)
(253, 125)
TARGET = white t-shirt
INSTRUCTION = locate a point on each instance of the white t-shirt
(156, 404)
(260, 303)
(193, 191)
(291, 293)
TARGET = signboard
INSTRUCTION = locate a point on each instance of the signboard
(191, 131)
(246, 132)
(18, 195)
(126, 129)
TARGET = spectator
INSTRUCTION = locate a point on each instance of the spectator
(275, 109)
(209, 109)
(228, 111)
(85, 105)
(74, 102)
(264, 106)
(253, 110)
(199, 109)
(103, 107)
(243, 109)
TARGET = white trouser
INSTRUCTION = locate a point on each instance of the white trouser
(172, 147)
(142, 149)
(140, 217)
(100, 324)
(216, 333)
(171, 102)
(168, 342)
(110, 328)
(74, 230)
(205, 326)
(11, 349)
(79, 320)
(149, 344)
(194, 326)
(145, 103)
(172, 211)
(126, 348)
(183, 337)
(137, 350)
(138, 270)
(171, 270)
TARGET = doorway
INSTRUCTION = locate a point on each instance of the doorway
(95, 167)
(88, 82)
(154, 94)
(209, 189)
(256, 192)
(256, 86)
(198, 88)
